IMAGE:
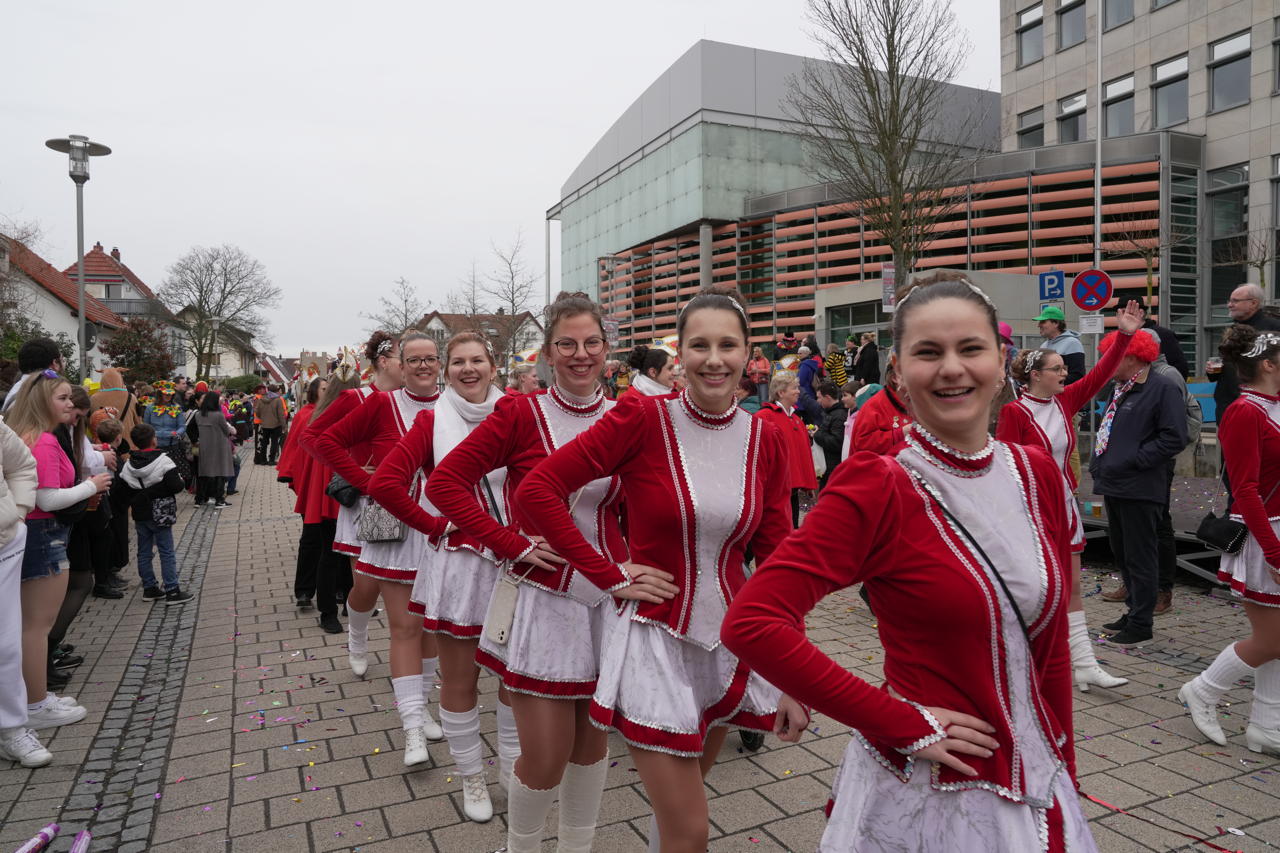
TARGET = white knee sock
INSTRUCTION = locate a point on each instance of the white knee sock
(463, 732)
(1078, 638)
(655, 840)
(429, 666)
(508, 739)
(527, 815)
(358, 629)
(1266, 696)
(1222, 674)
(409, 700)
(581, 789)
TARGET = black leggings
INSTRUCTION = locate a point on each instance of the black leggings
(211, 487)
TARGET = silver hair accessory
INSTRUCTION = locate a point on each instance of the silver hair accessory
(385, 347)
(1263, 342)
(736, 303)
(1034, 358)
(981, 293)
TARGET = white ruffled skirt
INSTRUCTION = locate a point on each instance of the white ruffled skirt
(345, 540)
(1248, 573)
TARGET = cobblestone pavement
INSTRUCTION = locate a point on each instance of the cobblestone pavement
(234, 724)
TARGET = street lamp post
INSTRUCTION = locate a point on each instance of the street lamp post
(80, 150)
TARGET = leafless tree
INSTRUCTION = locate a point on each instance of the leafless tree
(1256, 249)
(880, 124)
(468, 298)
(1136, 233)
(511, 290)
(222, 282)
(403, 310)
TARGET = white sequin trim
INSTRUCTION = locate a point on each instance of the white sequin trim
(928, 740)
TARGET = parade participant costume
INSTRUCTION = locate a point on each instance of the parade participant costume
(698, 489)
(880, 423)
(959, 552)
(345, 540)
(647, 386)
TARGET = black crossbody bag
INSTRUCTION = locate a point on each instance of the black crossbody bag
(1225, 534)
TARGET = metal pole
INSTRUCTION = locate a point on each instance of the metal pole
(547, 261)
(1097, 148)
(84, 354)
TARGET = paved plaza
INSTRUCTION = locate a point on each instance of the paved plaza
(234, 724)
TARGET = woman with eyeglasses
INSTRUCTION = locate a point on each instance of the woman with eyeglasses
(1043, 417)
(375, 428)
(457, 576)
(549, 663)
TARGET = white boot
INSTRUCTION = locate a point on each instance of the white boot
(415, 747)
(358, 639)
(1263, 734)
(1083, 661)
(581, 789)
(527, 815)
(476, 804)
(508, 745)
(409, 702)
(462, 730)
(1201, 694)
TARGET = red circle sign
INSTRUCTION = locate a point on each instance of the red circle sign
(1091, 290)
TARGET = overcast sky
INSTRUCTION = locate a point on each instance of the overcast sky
(343, 145)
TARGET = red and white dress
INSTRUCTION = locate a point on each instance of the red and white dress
(698, 489)
(379, 425)
(951, 638)
(1250, 437)
(345, 540)
(456, 572)
(554, 645)
(1046, 423)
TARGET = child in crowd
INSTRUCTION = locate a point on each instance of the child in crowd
(152, 479)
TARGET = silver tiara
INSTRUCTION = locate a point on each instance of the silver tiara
(1262, 343)
(981, 293)
(385, 346)
(1034, 358)
(736, 303)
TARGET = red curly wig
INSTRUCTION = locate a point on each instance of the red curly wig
(1144, 346)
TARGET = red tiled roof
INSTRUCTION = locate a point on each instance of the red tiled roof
(42, 272)
(462, 322)
(99, 265)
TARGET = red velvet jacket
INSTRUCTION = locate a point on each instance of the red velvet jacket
(1250, 442)
(796, 436)
(1017, 424)
(347, 402)
(879, 423)
(374, 425)
(287, 469)
(515, 436)
(933, 611)
(635, 441)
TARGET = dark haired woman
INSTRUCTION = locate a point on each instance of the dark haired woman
(1249, 433)
(550, 661)
(216, 448)
(701, 481)
(651, 370)
(1042, 417)
(453, 586)
(384, 355)
(291, 470)
(963, 542)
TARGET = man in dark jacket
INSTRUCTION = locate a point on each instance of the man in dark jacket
(866, 364)
(1143, 429)
(1244, 306)
(830, 433)
(1170, 346)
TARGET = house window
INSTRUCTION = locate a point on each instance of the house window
(1275, 59)
(1159, 4)
(1229, 72)
(1227, 194)
(1070, 24)
(1275, 215)
(1169, 91)
(1116, 12)
(1031, 35)
(1031, 128)
(1071, 118)
(1117, 108)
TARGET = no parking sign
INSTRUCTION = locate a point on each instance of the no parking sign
(1091, 290)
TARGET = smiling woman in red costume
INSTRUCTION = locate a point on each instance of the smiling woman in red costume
(963, 542)
(702, 480)
(378, 425)
(549, 663)
(1043, 417)
(456, 578)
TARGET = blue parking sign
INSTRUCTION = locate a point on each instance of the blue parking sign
(1053, 285)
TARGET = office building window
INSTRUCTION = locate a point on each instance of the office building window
(1229, 72)
(1169, 91)
(1157, 4)
(1071, 118)
(1275, 59)
(1031, 35)
(1227, 194)
(1070, 24)
(1117, 109)
(1117, 12)
(1275, 216)
(1031, 128)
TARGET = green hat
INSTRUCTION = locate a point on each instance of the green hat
(1052, 312)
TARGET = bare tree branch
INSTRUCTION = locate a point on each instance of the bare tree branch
(511, 288)
(402, 311)
(1136, 233)
(878, 118)
(1256, 249)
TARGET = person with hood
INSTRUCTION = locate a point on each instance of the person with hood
(114, 394)
(1065, 342)
(148, 483)
(809, 375)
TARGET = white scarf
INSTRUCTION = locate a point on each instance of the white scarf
(649, 387)
(455, 418)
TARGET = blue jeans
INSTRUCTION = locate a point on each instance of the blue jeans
(235, 462)
(162, 538)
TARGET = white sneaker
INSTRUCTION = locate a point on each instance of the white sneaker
(359, 662)
(52, 714)
(415, 747)
(22, 746)
(1259, 739)
(430, 728)
(475, 798)
(64, 701)
(1203, 715)
(1096, 675)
